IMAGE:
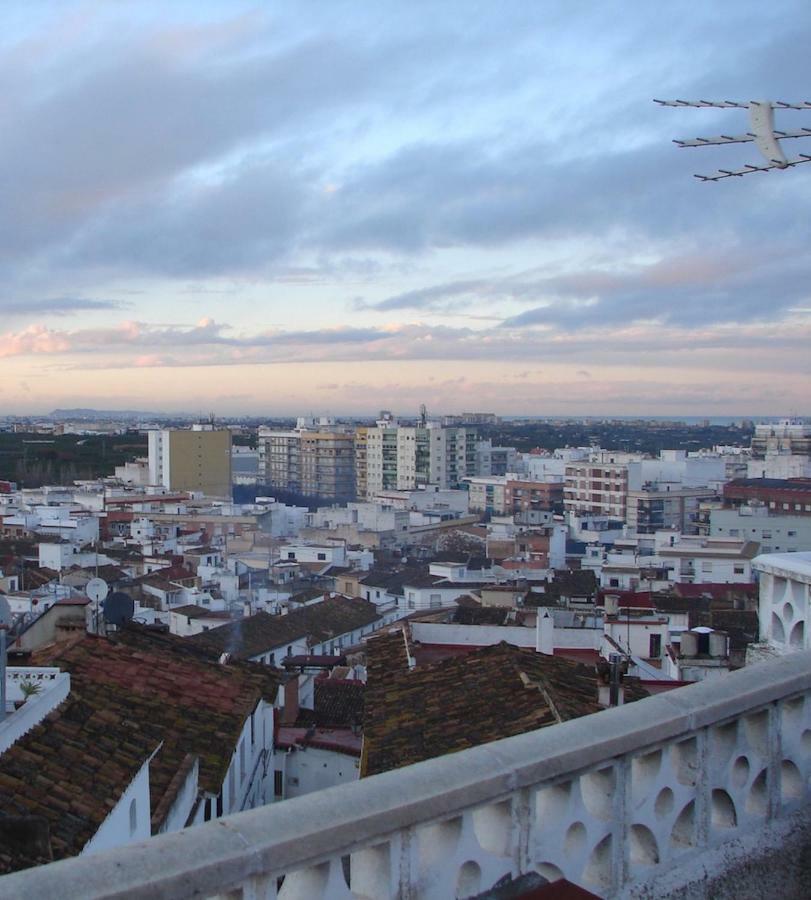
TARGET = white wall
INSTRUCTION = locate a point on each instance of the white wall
(116, 829)
(313, 769)
(186, 797)
(472, 635)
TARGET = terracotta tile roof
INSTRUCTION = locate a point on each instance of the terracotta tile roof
(262, 633)
(715, 590)
(387, 653)
(110, 573)
(338, 703)
(71, 769)
(577, 582)
(391, 581)
(487, 615)
(463, 701)
(192, 611)
(130, 695)
(38, 577)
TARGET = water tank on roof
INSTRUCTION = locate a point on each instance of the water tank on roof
(689, 644)
(718, 644)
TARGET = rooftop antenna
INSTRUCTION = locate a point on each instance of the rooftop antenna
(118, 608)
(763, 134)
(423, 415)
(96, 590)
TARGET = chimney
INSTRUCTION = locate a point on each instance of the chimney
(290, 710)
(545, 633)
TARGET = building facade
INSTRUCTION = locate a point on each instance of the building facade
(400, 457)
(197, 460)
(598, 485)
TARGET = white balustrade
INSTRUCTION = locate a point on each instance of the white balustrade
(641, 794)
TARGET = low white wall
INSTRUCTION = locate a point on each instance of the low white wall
(314, 769)
(472, 635)
(623, 801)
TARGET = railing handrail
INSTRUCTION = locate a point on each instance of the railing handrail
(221, 855)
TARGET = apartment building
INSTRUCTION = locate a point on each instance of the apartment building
(316, 458)
(657, 507)
(777, 531)
(525, 495)
(790, 436)
(327, 464)
(401, 457)
(488, 495)
(788, 496)
(196, 459)
(781, 450)
(492, 460)
(361, 480)
(598, 485)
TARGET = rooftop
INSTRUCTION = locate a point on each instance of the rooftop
(132, 696)
(260, 633)
(462, 701)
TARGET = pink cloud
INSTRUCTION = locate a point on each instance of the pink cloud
(34, 339)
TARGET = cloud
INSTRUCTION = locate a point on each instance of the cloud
(774, 347)
(57, 306)
(504, 171)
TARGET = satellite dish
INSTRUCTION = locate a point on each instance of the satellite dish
(96, 589)
(118, 608)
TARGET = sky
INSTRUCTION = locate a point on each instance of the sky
(328, 207)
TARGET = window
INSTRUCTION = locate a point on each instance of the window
(291, 554)
(738, 570)
(322, 556)
(242, 759)
(435, 600)
(133, 818)
(278, 783)
(734, 532)
(791, 534)
(655, 646)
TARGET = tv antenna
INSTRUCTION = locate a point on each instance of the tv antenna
(763, 134)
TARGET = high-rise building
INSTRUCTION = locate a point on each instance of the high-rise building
(598, 485)
(317, 458)
(361, 436)
(327, 464)
(404, 457)
(281, 451)
(196, 459)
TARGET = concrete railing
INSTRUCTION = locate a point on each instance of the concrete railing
(632, 802)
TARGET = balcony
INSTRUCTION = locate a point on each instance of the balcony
(690, 791)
